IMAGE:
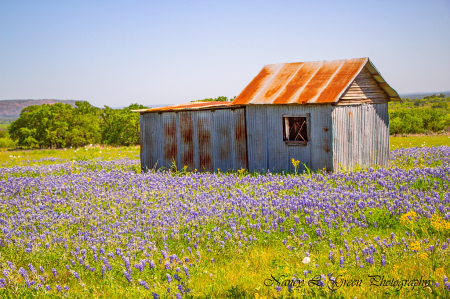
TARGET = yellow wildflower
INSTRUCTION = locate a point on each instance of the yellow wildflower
(440, 272)
(415, 246)
(423, 255)
(408, 217)
(438, 223)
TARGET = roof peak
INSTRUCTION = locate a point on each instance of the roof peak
(317, 61)
(312, 82)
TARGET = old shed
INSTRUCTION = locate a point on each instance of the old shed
(326, 114)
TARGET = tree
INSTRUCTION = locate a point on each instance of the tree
(84, 125)
(218, 99)
(120, 126)
(56, 126)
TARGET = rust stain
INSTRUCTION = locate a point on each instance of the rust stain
(326, 148)
(187, 136)
(223, 129)
(318, 82)
(170, 139)
(241, 139)
(298, 81)
(279, 80)
(253, 88)
(325, 129)
(204, 144)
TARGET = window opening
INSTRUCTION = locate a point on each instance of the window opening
(296, 129)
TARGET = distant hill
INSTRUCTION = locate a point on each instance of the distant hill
(12, 108)
(421, 95)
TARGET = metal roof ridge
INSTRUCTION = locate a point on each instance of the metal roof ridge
(353, 79)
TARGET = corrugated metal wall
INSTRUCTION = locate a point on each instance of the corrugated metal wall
(266, 148)
(205, 140)
(361, 135)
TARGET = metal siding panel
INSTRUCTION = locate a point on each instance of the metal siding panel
(373, 150)
(214, 141)
(358, 139)
(256, 123)
(346, 145)
(367, 131)
(355, 127)
(277, 149)
(335, 140)
(186, 144)
(364, 135)
(195, 140)
(222, 124)
(169, 136)
(151, 128)
(231, 119)
(205, 153)
(330, 166)
(159, 141)
(375, 136)
(240, 140)
(320, 137)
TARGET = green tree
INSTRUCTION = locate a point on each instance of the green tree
(84, 125)
(218, 99)
(120, 126)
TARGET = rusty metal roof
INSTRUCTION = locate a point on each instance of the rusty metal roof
(188, 106)
(317, 82)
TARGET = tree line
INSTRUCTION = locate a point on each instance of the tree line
(63, 125)
(430, 114)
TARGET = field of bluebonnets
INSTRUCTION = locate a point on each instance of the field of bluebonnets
(79, 225)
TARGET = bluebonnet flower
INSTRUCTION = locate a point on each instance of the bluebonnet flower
(127, 276)
(32, 269)
(144, 284)
(383, 261)
(24, 273)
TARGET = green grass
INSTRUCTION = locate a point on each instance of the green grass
(414, 141)
(34, 157)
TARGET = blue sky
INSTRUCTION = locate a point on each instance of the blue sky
(120, 52)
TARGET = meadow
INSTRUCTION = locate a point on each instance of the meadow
(86, 223)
